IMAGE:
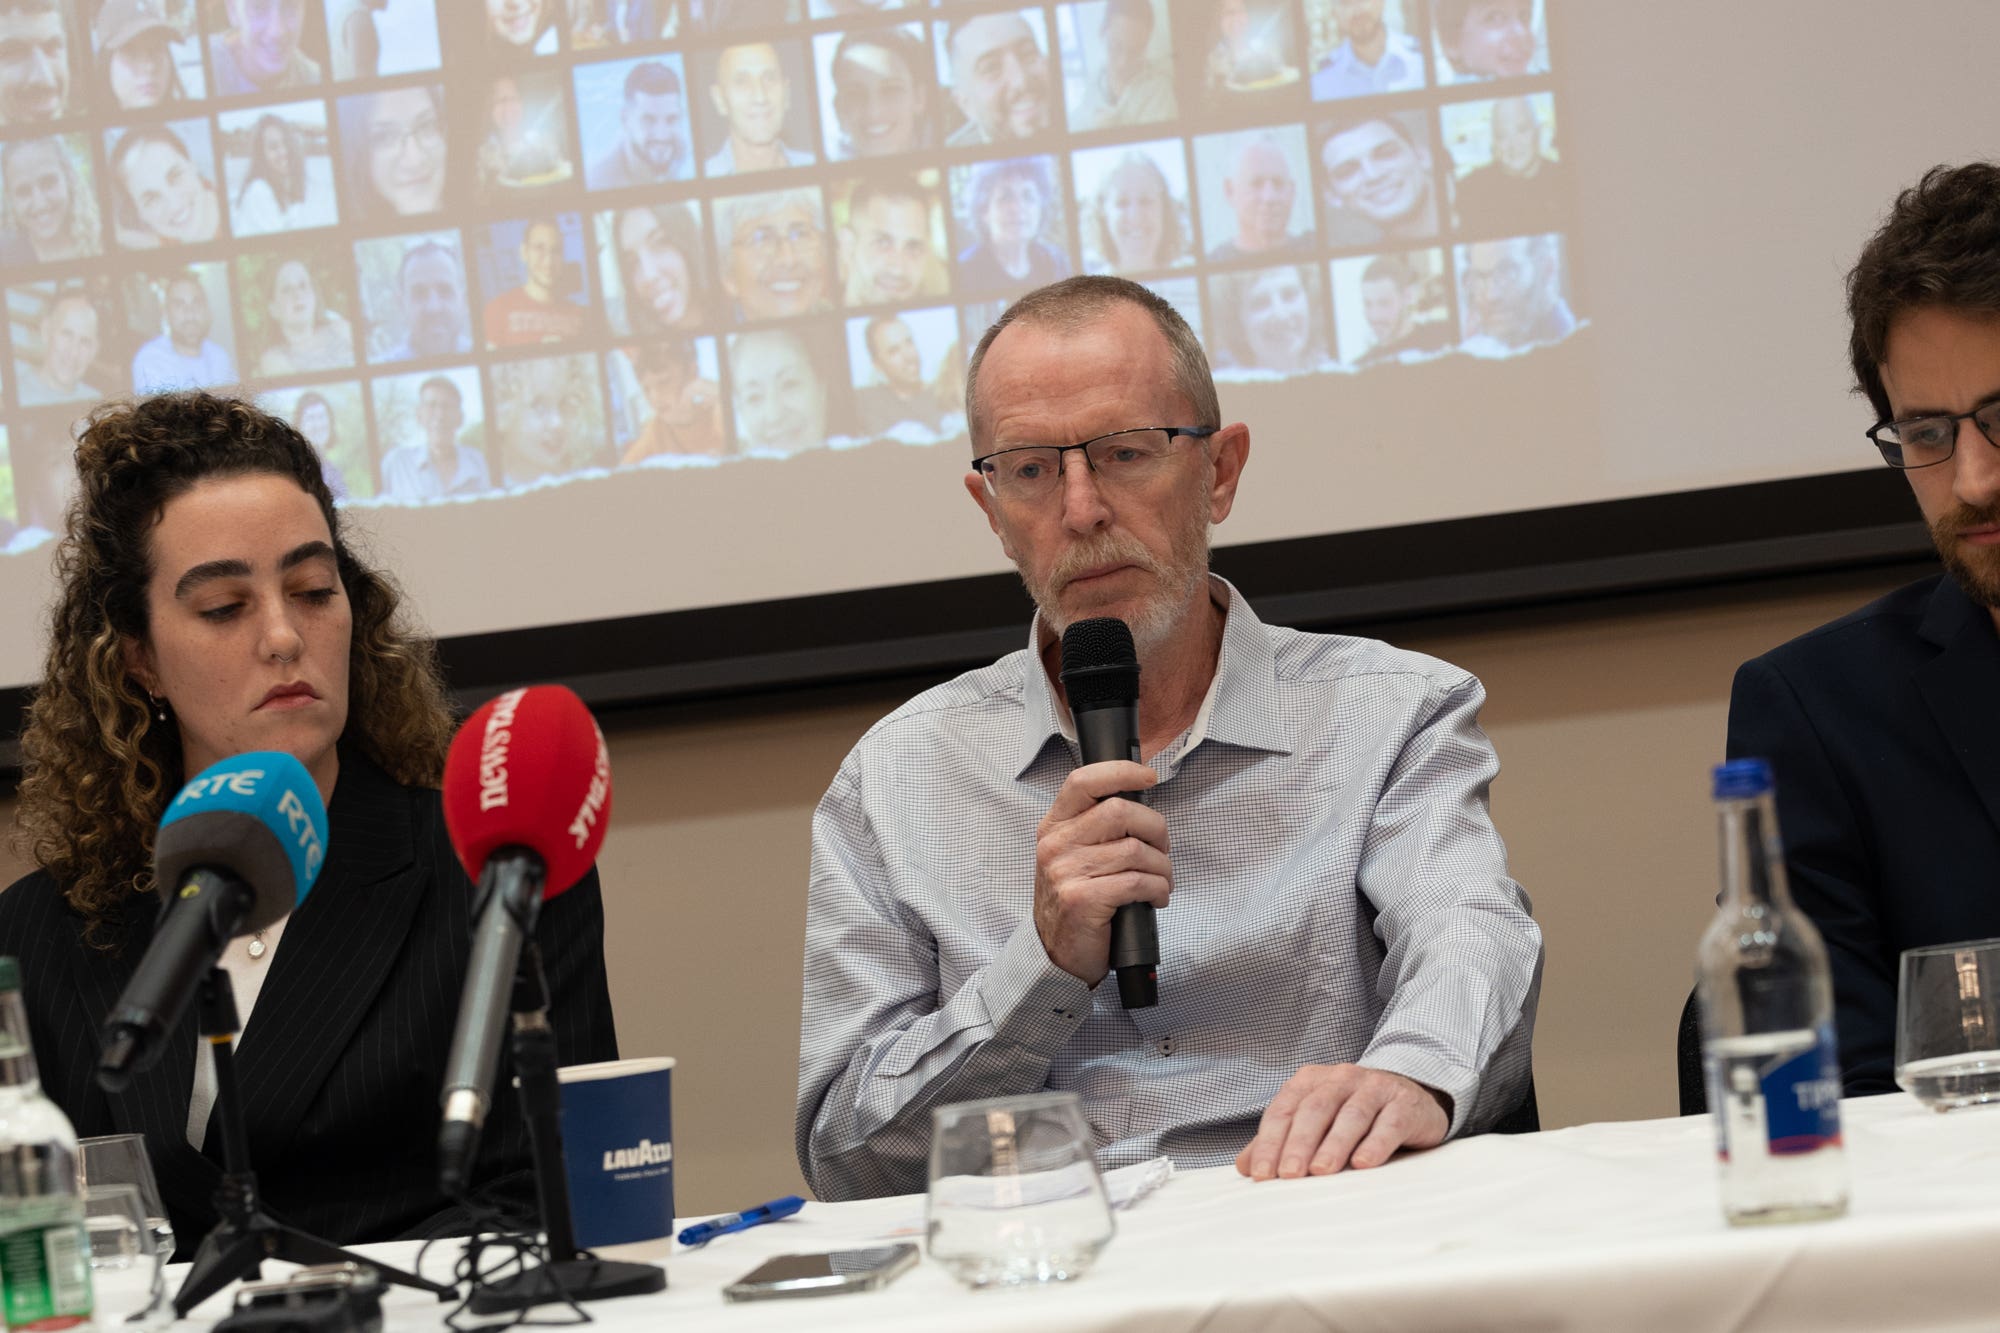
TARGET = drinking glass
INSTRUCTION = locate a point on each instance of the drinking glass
(116, 1221)
(1015, 1196)
(1948, 1024)
(120, 1159)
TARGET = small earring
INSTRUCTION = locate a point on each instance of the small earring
(159, 707)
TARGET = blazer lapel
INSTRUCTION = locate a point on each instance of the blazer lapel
(336, 953)
(155, 1103)
(1961, 685)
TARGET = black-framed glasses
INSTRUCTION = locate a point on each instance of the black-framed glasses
(1120, 459)
(1928, 440)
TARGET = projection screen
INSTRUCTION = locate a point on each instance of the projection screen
(606, 310)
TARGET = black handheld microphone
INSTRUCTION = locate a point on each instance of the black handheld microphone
(237, 850)
(1100, 674)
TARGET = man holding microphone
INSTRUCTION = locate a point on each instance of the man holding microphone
(1346, 967)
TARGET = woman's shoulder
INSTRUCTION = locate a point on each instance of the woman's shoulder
(30, 907)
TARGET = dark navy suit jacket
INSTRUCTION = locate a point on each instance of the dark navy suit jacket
(342, 1062)
(1883, 732)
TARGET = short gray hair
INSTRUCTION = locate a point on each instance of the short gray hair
(735, 210)
(1075, 303)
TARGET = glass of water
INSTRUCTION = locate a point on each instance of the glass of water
(120, 1159)
(116, 1221)
(1015, 1196)
(1948, 1024)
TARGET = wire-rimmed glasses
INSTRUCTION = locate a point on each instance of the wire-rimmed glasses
(1120, 458)
(1928, 440)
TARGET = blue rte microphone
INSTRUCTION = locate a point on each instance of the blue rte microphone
(237, 850)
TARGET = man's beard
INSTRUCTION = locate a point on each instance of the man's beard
(1176, 580)
(1976, 569)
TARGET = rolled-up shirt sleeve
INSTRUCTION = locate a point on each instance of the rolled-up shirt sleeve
(1462, 970)
(879, 1045)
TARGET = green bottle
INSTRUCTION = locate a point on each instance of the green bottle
(44, 1249)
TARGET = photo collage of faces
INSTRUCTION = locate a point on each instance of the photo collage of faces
(674, 232)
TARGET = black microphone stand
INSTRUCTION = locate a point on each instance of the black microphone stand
(247, 1235)
(571, 1274)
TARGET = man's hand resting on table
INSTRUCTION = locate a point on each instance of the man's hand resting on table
(1329, 1117)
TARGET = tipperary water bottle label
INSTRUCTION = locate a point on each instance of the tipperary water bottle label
(1778, 1093)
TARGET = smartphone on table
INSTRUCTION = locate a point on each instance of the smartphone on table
(823, 1274)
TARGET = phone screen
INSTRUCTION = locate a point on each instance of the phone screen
(816, 1274)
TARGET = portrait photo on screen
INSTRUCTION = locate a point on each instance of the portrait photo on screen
(295, 311)
(334, 421)
(182, 320)
(756, 108)
(1490, 39)
(788, 389)
(69, 343)
(40, 478)
(844, 9)
(1377, 178)
(999, 78)
(1361, 48)
(370, 39)
(396, 152)
(1513, 294)
(1392, 307)
(265, 46)
(596, 24)
(549, 416)
(277, 168)
(1184, 295)
(43, 63)
(634, 122)
(653, 269)
(163, 184)
(909, 375)
(1252, 52)
(148, 53)
(1255, 198)
(1133, 209)
(413, 296)
(891, 231)
(431, 436)
(724, 16)
(666, 402)
(1267, 322)
(524, 135)
(775, 253)
(1008, 225)
(48, 201)
(522, 27)
(878, 92)
(1508, 175)
(1117, 62)
(533, 280)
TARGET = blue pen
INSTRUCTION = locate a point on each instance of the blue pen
(701, 1233)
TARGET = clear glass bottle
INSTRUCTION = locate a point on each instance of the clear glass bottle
(1768, 1048)
(44, 1249)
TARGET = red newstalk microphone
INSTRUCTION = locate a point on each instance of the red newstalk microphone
(527, 795)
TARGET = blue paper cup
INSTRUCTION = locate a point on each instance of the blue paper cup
(618, 1147)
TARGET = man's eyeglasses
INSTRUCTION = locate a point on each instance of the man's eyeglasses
(1928, 440)
(1123, 459)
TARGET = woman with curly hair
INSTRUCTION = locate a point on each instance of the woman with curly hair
(47, 210)
(273, 194)
(210, 604)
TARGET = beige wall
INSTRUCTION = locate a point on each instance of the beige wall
(1606, 719)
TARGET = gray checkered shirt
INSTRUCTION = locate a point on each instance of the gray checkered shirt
(1340, 895)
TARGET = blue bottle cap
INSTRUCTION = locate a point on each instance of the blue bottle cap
(1742, 778)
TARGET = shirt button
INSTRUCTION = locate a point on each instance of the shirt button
(1165, 1046)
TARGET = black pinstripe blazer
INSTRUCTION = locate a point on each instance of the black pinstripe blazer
(341, 1064)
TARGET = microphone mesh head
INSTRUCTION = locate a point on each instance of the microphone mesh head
(1099, 664)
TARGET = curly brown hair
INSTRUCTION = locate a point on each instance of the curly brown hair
(1939, 246)
(97, 766)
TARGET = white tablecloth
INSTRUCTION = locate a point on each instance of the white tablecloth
(1612, 1226)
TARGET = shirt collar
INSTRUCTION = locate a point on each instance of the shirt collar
(1240, 707)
